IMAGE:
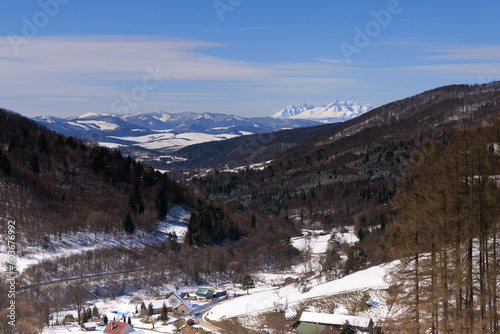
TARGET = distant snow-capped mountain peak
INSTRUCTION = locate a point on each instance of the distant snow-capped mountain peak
(92, 114)
(337, 111)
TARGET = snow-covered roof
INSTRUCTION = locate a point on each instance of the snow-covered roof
(157, 303)
(186, 303)
(90, 325)
(175, 298)
(335, 319)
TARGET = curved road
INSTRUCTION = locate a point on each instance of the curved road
(200, 318)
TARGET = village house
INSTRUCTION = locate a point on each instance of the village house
(183, 308)
(118, 327)
(220, 293)
(204, 294)
(312, 323)
(88, 326)
(172, 300)
(184, 295)
(157, 306)
(291, 280)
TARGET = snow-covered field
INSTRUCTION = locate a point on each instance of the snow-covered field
(176, 221)
(266, 295)
(372, 278)
(311, 239)
(165, 139)
(317, 240)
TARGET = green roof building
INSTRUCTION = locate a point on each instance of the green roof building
(204, 293)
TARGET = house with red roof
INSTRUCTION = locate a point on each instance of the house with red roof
(118, 327)
(183, 308)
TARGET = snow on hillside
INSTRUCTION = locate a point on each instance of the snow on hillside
(256, 166)
(109, 145)
(372, 278)
(176, 221)
(92, 114)
(167, 139)
(266, 296)
(317, 243)
(186, 128)
(317, 240)
(101, 125)
(337, 111)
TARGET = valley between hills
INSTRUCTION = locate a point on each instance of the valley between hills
(382, 218)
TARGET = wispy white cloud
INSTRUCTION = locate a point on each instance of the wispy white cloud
(463, 70)
(59, 75)
(468, 52)
(86, 73)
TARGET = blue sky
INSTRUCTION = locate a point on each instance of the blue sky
(243, 57)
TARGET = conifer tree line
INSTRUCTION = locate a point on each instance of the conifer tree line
(210, 226)
(445, 231)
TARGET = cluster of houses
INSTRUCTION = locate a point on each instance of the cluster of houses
(314, 323)
(179, 303)
(176, 302)
(113, 327)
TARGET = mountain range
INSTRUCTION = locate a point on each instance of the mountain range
(167, 132)
(335, 112)
(433, 113)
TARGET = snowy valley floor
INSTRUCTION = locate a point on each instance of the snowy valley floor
(342, 296)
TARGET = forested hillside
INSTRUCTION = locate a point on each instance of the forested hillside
(346, 175)
(55, 187)
(444, 228)
(54, 184)
(243, 150)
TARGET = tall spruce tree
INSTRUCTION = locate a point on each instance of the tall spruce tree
(164, 313)
(150, 309)
(5, 165)
(128, 225)
(356, 259)
(347, 329)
